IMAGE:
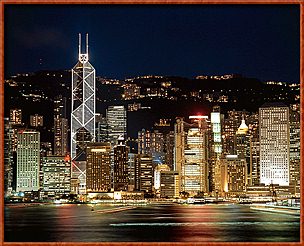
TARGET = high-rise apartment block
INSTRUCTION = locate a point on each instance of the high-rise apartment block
(28, 160)
(274, 144)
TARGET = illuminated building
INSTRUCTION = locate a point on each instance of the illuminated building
(255, 161)
(36, 120)
(83, 115)
(121, 166)
(28, 160)
(101, 129)
(234, 175)
(117, 123)
(98, 168)
(294, 181)
(242, 142)
(274, 144)
(158, 169)
(190, 154)
(145, 173)
(169, 150)
(152, 143)
(8, 157)
(131, 91)
(169, 186)
(60, 126)
(230, 127)
(216, 152)
(16, 116)
(133, 171)
(179, 147)
(56, 172)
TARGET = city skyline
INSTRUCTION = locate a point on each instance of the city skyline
(212, 157)
(253, 39)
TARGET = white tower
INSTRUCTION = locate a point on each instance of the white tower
(83, 112)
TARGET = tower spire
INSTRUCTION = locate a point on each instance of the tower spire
(79, 43)
(87, 42)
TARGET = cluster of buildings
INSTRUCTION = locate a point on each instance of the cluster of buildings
(234, 155)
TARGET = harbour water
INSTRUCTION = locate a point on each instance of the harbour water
(150, 223)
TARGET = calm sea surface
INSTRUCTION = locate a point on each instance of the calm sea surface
(151, 223)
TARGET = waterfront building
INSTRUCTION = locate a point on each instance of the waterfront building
(234, 175)
(145, 173)
(98, 168)
(169, 186)
(60, 126)
(36, 120)
(28, 160)
(117, 123)
(16, 116)
(56, 172)
(83, 115)
(294, 181)
(190, 154)
(274, 144)
(121, 177)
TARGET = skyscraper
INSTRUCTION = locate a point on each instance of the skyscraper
(216, 151)
(28, 160)
(117, 123)
(145, 173)
(83, 115)
(98, 177)
(8, 157)
(121, 177)
(56, 171)
(60, 126)
(295, 131)
(274, 144)
(83, 104)
(190, 154)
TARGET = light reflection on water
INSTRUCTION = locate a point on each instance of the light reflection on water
(166, 223)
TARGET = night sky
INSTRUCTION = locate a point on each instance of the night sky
(260, 41)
